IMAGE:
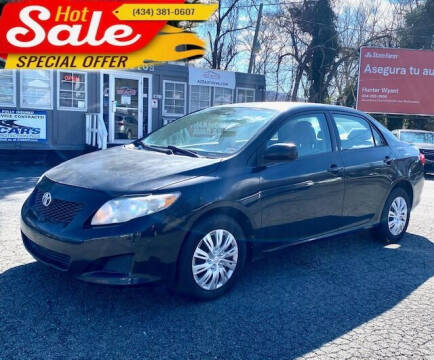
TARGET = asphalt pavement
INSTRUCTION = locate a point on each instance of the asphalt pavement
(339, 298)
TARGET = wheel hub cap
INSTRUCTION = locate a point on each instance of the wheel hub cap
(215, 259)
(397, 216)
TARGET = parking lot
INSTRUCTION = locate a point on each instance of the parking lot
(344, 297)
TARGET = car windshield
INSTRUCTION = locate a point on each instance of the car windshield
(417, 138)
(219, 131)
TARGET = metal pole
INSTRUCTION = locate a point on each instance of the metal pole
(255, 39)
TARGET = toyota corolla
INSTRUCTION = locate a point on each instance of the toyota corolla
(190, 203)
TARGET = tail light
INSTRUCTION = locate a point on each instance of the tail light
(121, 123)
(422, 158)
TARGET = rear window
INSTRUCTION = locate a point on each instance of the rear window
(354, 132)
(379, 140)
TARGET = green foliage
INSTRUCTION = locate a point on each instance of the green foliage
(393, 122)
(418, 32)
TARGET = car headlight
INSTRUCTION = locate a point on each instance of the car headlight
(127, 208)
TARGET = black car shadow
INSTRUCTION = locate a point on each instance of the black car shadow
(285, 305)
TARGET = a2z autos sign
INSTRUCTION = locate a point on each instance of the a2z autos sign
(23, 125)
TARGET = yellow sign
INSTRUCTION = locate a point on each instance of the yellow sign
(172, 12)
(171, 44)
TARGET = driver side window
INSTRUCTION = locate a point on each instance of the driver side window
(308, 132)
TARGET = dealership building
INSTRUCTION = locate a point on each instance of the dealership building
(68, 110)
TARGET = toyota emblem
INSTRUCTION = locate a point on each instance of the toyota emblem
(46, 199)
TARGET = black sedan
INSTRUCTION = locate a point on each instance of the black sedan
(192, 202)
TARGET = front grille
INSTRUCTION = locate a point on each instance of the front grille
(59, 211)
(60, 261)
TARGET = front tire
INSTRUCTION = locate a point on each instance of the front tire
(394, 218)
(212, 258)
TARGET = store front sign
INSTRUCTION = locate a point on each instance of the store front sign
(23, 125)
(207, 77)
(126, 91)
(71, 78)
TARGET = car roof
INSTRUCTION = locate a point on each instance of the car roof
(283, 106)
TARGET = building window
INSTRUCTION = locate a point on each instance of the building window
(200, 97)
(37, 89)
(174, 98)
(245, 95)
(222, 96)
(7, 88)
(72, 91)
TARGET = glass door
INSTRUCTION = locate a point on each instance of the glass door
(126, 104)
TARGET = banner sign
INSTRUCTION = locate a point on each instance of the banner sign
(23, 125)
(396, 81)
(216, 78)
(98, 34)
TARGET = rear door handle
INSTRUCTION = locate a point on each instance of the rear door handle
(334, 169)
(388, 160)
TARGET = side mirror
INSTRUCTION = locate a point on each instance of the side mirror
(281, 152)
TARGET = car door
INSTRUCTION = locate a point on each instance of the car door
(304, 197)
(368, 170)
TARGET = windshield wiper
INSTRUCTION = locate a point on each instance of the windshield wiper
(157, 149)
(183, 151)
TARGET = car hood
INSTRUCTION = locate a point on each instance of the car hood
(121, 170)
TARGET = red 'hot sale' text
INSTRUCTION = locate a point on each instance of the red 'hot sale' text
(63, 34)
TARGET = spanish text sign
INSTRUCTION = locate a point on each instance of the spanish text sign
(396, 81)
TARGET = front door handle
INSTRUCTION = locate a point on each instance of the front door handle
(388, 160)
(334, 169)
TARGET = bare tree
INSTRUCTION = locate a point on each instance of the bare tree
(271, 57)
(282, 53)
(370, 23)
(223, 30)
(286, 49)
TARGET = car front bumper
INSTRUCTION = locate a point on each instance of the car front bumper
(143, 250)
(106, 260)
(119, 260)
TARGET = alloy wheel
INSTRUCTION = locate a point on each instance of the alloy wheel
(215, 259)
(397, 218)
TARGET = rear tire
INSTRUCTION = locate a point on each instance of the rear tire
(212, 258)
(394, 218)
